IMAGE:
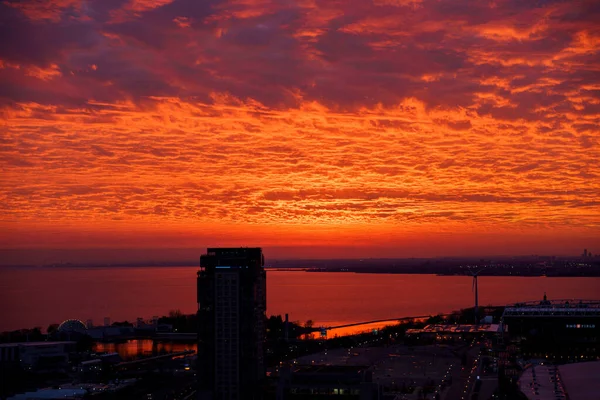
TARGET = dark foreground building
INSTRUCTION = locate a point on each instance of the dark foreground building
(566, 330)
(232, 304)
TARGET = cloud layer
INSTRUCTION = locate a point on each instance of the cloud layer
(389, 117)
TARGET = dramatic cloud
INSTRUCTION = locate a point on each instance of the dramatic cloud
(272, 121)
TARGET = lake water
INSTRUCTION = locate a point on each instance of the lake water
(132, 349)
(41, 296)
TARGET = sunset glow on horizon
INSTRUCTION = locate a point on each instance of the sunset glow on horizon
(421, 127)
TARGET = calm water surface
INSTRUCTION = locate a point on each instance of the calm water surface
(41, 296)
(132, 349)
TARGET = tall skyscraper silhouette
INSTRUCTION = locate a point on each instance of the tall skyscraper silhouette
(232, 302)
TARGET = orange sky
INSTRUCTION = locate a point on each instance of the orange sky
(384, 127)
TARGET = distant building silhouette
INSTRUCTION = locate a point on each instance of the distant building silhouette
(231, 323)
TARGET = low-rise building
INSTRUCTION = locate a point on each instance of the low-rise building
(324, 381)
(111, 332)
(36, 355)
(445, 332)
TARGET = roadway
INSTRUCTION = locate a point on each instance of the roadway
(464, 382)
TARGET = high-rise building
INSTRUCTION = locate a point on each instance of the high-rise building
(232, 302)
